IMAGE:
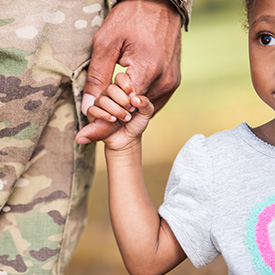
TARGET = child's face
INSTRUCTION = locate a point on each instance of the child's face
(262, 49)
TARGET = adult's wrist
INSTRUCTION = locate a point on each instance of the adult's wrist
(184, 7)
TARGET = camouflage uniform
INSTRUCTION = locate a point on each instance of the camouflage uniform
(44, 174)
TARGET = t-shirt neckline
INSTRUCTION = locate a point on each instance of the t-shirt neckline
(244, 131)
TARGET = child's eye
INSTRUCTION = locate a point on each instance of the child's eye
(267, 40)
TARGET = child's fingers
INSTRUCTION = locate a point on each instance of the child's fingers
(120, 97)
(123, 81)
(108, 105)
(144, 105)
(95, 112)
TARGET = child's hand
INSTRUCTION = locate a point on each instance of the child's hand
(115, 108)
(114, 103)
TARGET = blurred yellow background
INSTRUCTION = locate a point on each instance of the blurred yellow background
(216, 94)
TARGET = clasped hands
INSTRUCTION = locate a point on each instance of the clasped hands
(122, 110)
(145, 37)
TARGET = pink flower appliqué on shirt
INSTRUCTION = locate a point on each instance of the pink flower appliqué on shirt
(258, 238)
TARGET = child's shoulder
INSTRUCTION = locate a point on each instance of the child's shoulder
(218, 143)
(231, 136)
(222, 137)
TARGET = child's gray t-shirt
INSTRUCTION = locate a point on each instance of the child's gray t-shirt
(220, 198)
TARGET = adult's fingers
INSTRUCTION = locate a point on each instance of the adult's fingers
(154, 72)
(102, 65)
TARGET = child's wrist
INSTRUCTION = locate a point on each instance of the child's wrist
(126, 150)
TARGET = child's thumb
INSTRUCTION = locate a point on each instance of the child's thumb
(144, 105)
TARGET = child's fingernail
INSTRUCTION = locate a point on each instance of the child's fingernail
(113, 118)
(137, 100)
(83, 140)
(131, 94)
(127, 118)
(132, 109)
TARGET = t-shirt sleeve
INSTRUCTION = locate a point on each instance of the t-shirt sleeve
(188, 205)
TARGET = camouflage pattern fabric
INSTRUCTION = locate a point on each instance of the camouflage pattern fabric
(44, 175)
(45, 46)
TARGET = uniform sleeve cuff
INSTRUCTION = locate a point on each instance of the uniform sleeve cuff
(184, 7)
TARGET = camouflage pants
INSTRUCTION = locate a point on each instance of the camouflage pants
(44, 175)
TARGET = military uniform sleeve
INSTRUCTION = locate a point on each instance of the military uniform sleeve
(183, 6)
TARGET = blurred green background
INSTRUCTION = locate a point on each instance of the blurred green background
(216, 94)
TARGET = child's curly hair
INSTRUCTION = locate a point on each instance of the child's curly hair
(248, 7)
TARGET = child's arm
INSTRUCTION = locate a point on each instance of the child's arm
(145, 240)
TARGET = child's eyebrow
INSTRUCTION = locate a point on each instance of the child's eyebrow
(264, 18)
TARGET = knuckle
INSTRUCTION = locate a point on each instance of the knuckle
(147, 72)
(154, 70)
(102, 45)
(171, 82)
(98, 40)
(95, 78)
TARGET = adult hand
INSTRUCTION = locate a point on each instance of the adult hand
(145, 37)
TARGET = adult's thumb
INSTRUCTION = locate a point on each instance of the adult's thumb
(100, 72)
